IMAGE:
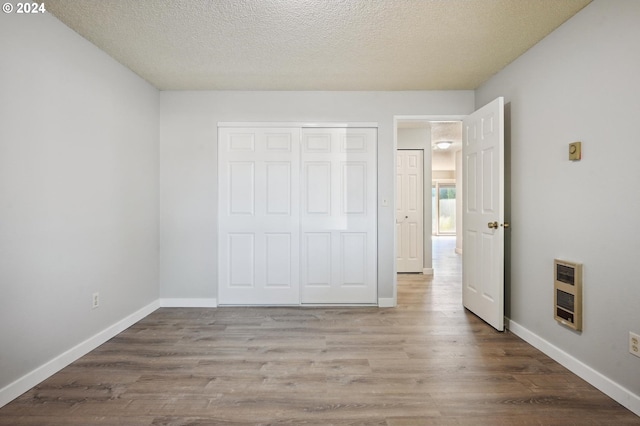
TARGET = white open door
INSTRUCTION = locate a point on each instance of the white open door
(409, 213)
(483, 221)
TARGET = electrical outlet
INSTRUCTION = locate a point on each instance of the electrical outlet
(634, 344)
(96, 300)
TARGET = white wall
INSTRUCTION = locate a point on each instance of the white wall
(420, 138)
(579, 83)
(188, 212)
(444, 160)
(78, 192)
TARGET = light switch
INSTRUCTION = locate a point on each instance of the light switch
(575, 151)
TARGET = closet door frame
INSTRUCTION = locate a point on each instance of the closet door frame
(227, 232)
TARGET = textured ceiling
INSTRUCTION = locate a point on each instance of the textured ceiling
(446, 131)
(314, 44)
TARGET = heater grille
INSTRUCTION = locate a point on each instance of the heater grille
(566, 300)
(567, 288)
(565, 274)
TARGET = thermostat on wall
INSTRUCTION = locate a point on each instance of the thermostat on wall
(575, 151)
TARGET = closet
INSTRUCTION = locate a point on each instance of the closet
(296, 215)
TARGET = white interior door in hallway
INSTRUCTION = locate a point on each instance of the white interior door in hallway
(297, 215)
(483, 221)
(409, 214)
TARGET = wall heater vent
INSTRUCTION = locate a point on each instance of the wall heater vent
(567, 297)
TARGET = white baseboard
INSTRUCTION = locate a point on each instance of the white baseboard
(387, 302)
(617, 392)
(188, 303)
(427, 271)
(29, 380)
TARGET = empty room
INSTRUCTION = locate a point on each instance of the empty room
(393, 212)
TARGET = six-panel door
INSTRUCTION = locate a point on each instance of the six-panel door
(338, 216)
(409, 210)
(483, 220)
(258, 233)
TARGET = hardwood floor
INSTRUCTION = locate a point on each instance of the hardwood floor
(426, 362)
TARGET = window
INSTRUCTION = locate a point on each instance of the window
(443, 202)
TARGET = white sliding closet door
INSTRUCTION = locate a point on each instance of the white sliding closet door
(338, 219)
(259, 240)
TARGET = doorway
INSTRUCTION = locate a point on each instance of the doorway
(440, 140)
(412, 134)
(482, 164)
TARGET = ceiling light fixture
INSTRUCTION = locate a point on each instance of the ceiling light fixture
(443, 144)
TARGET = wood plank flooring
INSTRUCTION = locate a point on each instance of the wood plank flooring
(426, 362)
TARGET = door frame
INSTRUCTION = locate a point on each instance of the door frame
(300, 125)
(396, 120)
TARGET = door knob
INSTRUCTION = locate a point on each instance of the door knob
(402, 220)
(492, 225)
(506, 225)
